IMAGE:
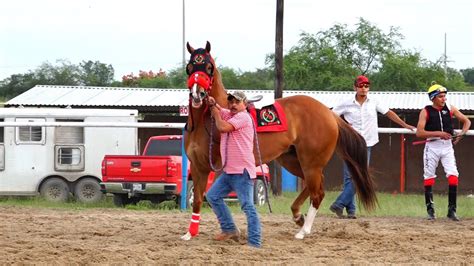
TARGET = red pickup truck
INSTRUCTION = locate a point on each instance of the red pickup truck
(157, 175)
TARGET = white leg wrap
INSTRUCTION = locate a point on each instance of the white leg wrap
(186, 236)
(308, 223)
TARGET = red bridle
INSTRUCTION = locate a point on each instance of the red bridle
(202, 79)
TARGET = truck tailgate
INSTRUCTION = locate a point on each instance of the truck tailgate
(140, 168)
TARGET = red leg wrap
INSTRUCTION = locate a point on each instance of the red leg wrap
(194, 225)
(429, 182)
(453, 180)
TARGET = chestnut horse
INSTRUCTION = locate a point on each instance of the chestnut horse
(314, 132)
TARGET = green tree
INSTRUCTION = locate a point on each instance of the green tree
(95, 73)
(468, 75)
(61, 73)
(17, 84)
(329, 60)
(64, 73)
(156, 82)
(178, 77)
(404, 71)
(408, 71)
(260, 79)
(363, 47)
(315, 65)
(230, 78)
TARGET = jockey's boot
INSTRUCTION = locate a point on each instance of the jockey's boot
(429, 202)
(452, 203)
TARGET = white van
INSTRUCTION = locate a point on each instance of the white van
(57, 161)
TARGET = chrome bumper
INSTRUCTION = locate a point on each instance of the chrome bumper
(138, 188)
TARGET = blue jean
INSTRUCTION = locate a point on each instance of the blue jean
(347, 197)
(243, 186)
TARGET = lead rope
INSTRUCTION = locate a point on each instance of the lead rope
(265, 183)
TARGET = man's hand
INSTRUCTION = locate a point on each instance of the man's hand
(410, 127)
(458, 137)
(211, 101)
(444, 135)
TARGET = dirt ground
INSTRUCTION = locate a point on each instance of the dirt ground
(106, 236)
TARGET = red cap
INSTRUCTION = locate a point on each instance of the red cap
(361, 80)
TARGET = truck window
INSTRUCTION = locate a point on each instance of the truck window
(164, 147)
(30, 134)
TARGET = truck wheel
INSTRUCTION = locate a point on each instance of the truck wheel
(121, 200)
(87, 190)
(55, 189)
(259, 193)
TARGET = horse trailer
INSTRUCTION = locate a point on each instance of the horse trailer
(42, 153)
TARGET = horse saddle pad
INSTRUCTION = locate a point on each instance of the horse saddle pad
(270, 118)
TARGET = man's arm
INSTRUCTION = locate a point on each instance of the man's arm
(222, 125)
(395, 118)
(466, 123)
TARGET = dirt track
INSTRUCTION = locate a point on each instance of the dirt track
(35, 235)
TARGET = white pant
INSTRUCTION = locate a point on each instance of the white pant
(434, 152)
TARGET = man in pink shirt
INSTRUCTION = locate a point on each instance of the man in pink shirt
(237, 137)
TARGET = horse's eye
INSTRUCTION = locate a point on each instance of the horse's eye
(202, 94)
(189, 69)
(209, 69)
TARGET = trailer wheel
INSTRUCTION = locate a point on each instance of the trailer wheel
(55, 189)
(87, 190)
(259, 193)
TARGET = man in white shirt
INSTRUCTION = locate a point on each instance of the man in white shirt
(361, 113)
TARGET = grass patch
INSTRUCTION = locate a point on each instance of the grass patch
(390, 205)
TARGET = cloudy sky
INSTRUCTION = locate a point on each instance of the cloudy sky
(148, 34)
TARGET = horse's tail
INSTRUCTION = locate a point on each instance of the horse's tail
(353, 150)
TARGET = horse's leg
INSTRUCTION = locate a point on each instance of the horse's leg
(290, 161)
(315, 188)
(298, 218)
(199, 181)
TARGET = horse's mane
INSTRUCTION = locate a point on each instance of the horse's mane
(219, 91)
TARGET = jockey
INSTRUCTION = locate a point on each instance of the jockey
(435, 123)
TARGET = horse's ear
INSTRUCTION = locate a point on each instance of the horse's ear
(190, 49)
(208, 46)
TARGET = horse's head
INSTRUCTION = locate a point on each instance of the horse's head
(200, 70)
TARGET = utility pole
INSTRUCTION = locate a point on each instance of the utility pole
(279, 84)
(184, 35)
(445, 59)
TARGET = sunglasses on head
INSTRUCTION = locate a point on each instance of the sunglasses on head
(365, 85)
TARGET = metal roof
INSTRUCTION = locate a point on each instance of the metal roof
(75, 96)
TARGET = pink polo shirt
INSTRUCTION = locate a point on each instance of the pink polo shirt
(238, 144)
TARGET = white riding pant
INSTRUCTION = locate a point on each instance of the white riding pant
(439, 150)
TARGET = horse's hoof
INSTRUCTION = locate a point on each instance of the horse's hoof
(301, 234)
(186, 236)
(299, 221)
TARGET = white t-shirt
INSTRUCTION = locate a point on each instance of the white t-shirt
(363, 118)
